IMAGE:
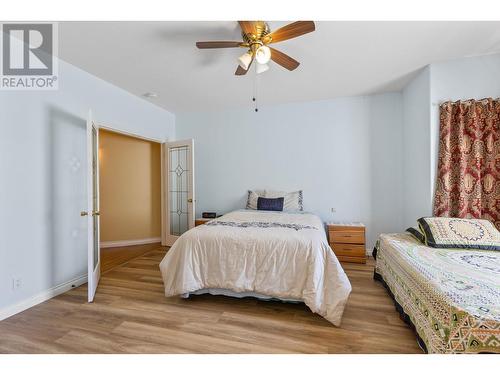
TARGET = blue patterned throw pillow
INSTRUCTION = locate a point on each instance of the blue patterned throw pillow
(270, 204)
(455, 233)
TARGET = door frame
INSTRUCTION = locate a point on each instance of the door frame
(162, 142)
(167, 238)
(114, 129)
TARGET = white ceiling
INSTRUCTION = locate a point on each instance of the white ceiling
(338, 59)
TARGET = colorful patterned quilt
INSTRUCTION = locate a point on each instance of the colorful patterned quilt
(452, 296)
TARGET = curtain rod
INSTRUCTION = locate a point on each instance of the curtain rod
(464, 101)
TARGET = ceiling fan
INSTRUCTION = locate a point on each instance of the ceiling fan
(256, 38)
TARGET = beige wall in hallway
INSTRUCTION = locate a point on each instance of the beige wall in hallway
(130, 187)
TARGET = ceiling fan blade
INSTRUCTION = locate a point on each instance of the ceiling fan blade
(240, 71)
(218, 44)
(248, 27)
(283, 59)
(290, 31)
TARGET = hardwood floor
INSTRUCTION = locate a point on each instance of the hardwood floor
(131, 315)
(115, 256)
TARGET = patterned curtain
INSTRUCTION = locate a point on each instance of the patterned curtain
(468, 178)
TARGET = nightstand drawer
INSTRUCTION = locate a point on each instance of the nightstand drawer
(348, 249)
(347, 259)
(347, 236)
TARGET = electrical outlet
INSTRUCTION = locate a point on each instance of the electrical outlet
(17, 283)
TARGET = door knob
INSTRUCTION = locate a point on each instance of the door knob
(95, 213)
(84, 213)
(190, 200)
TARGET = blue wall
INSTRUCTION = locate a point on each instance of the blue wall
(344, 153)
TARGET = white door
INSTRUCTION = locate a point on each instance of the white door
(92, 212)
(179, 192)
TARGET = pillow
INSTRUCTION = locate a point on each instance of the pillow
(450, 232)
(416, 233)
(252, 199)
(270, 204)
(292, 202)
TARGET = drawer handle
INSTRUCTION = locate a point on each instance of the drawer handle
(344, 248)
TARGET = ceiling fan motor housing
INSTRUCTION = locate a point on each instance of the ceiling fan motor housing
(261, 30)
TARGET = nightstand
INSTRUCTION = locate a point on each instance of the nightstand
(348, 241)
(201, 221)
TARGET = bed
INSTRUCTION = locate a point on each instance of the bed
(262, 254)
(451, 297)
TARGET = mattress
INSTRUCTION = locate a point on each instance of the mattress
(273, 254)
(450, 296)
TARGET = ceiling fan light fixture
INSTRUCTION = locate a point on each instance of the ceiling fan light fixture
(256, 36)
(245, 60)
(263, 55)
(261, 68)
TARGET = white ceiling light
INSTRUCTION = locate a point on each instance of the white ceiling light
(150, 95)
(263, 55)
(245, 60)
(261, 68)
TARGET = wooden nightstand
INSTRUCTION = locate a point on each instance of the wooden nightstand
(201, 221)
(348, 241)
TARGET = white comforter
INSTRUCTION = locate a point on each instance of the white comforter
(282, 255)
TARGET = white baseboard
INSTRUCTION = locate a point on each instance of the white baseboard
(142, 241)
(41, 297)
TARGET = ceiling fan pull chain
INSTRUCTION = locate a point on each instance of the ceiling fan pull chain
(255, 87)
